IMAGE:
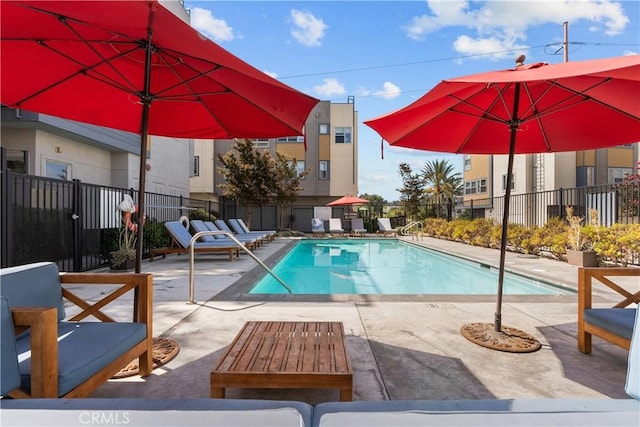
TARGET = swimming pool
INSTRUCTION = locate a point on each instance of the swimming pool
(388, 267)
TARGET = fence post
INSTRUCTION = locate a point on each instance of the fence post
(561, 202)
(77, 218)
(471, 209)
(4, 203)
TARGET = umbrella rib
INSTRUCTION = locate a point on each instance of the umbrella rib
(86, 71)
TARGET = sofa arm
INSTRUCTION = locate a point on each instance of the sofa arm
(142, 311)
(43, 325)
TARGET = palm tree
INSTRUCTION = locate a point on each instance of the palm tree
(443, 184)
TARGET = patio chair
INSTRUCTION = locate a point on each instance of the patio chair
(271, 234)
(335, 226)
(317, 227)
(240, 231)
(199, 225)
(181, 241)
(357, 227)
(384, 227)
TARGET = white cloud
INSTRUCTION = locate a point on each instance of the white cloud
(494, 26)
(389, 91)
(330, 87)
(308, 30)
(212, 27)
(271, 73)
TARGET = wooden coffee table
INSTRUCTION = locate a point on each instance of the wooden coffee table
(285, 355)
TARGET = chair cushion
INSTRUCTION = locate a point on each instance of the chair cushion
(616, 320)
(84, 348)
(632, 387)
(33, 285)
(9, 373)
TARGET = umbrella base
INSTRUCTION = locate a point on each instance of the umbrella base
(508, 339)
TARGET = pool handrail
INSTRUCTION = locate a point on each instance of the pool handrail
(238, 243)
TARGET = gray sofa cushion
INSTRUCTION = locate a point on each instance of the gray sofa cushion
(617, 320)
(99, 344)
(576, 412)
(10, 373)
(178, 412)
(33, 285)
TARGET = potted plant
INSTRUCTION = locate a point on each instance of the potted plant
(123, 258)
(579, 247)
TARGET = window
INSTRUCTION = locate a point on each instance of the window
(476, 186)
(323, 169)
(58, 170)
(618, 174)
(291, 139)
(261, 143)
(300, 168)
(196, 166)
(504, 182)
(323, 129)
(467, 162)
(343, 135)
(17, 161)
(591, 175)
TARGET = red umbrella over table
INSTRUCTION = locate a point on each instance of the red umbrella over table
(347, 200)
(533, 108)
(137, 67)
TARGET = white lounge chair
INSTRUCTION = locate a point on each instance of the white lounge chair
(335, 226)
(384, 227)
(181, 240)
(357, 227)
(317, 227)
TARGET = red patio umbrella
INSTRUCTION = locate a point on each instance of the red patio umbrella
(532, 108)
(347, 200)
(137, 67)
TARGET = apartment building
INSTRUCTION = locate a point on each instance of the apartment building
(485, 175)
(331, 155)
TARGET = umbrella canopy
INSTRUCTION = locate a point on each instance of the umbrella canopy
(347, 200)
(528, 109)
(137, 67)
(563, 107)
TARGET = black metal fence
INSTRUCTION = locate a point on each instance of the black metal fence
(76, 224)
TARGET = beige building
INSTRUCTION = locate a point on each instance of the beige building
(331, 155)
(485, 177)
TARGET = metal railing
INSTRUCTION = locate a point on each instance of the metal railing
(238, 243)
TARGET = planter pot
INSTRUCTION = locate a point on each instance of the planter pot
(129, 265)
(582, 258)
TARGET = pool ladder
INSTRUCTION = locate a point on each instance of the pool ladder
(238, 243)
(411, 228)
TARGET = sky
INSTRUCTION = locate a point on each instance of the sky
(386, 54)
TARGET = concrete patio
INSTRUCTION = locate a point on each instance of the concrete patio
(400, 348)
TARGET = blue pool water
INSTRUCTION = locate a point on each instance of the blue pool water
(387, 266)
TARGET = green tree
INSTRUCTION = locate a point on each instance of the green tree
(443, 184)
(248, 175)
(286, 182)
(376, 203)
(412, 189)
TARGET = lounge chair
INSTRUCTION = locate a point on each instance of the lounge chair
(357, 227)
(317, 227)
(335, 226)
(384, 227)
(181, 240)
(199, 225)
(240, 231)
(270, 233)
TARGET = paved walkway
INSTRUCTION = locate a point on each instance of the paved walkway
(409, 349)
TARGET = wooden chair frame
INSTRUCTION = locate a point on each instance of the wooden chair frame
(585, 301)
(43, 323)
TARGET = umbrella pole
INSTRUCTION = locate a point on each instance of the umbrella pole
(495, 336)
(513, 126)
(144, 135)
